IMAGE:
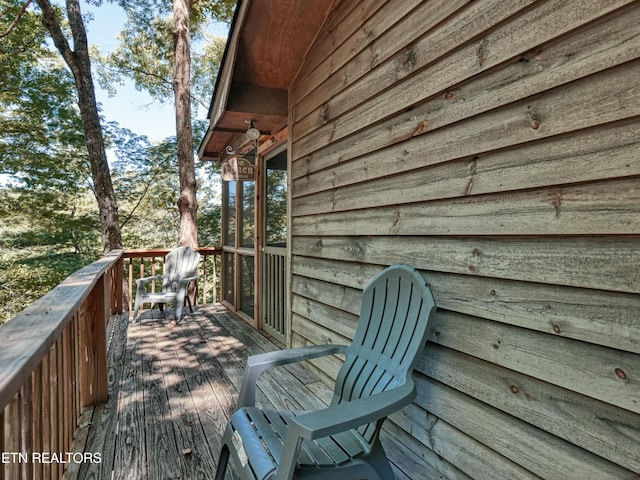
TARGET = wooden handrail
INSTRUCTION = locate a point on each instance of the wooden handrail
(53, 363)
(53, 358)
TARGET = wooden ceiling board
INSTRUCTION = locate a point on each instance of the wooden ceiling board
(273, 39)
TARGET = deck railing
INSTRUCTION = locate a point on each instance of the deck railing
(148, 262)
(53, 363)
(53, 360)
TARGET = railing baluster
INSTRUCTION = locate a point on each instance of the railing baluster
(204, 279)
(60, 402)
(130, 283)
(47, 437)
(36, 409)
(12, 437)
(53, 399)
(153, 272)
(26, 434)
(208, 280)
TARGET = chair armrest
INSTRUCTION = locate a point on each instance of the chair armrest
(347, 415)
(141, 282)
(257, 364)
(339, 418)
(188, 280)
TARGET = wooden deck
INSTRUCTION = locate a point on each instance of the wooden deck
(171, 390)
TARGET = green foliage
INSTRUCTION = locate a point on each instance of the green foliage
(145, 50)
(49, 223)
(41, 140)
(34, 258)
(146, 182)
(27, 274)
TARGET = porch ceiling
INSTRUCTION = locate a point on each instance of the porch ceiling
(267, 43)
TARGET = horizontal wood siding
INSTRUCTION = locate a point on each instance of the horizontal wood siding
(494, 146)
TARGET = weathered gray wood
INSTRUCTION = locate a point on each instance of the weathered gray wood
(412, 57)
(560, 112)
(341, 32)
(584, 156)
(601, 428)
(163, 454)
(325, 312)
(104, 418)
(579, 210)
(12, 436)
(534, 27)
(413, 466)
(589, 315)
(130, 452)
(602, 373)
(372, 43)
(589, 51)
(444, 443)
(585, 262)
(187, 411)
(514, 439)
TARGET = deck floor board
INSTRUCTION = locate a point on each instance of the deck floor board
(172, 389)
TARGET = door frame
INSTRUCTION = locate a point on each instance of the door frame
(266, 255)
(267, 150)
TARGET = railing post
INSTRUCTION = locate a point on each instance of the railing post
(94, 316)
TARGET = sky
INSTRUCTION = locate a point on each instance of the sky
(132, 109)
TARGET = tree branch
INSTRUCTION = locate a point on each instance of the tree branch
(50, 20)
(17, 19)
(139, 202)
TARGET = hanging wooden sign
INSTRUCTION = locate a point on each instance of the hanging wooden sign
(237, 168)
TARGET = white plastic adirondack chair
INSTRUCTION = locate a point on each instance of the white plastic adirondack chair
(180, 267)
(341, 441)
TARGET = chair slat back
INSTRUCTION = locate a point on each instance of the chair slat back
(393, 329)
(178, 264)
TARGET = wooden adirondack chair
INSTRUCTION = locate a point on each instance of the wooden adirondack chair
(180, 267)
(340, 441)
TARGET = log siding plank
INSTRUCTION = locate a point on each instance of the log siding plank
(595, 316)
(566, 414)
(594, 209)
(536, 27)
(515, 439)
(590, 262)
(558, 112)
(421, 19)
(458, 30)
(589, 155)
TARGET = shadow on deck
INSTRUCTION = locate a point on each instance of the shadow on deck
(171, 391)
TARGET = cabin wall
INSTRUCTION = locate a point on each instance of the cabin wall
(494, 146)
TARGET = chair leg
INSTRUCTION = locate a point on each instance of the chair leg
(379, 461)
(189, 303)
(179, 310)
(135, 311)
(222, 463)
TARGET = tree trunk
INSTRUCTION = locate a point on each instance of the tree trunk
(187, 203)
(80, 65)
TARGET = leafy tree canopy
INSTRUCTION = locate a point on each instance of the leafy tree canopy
(145, 50)
(49, 223)
(41, 140)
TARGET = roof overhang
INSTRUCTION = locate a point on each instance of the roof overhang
(268, 41)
